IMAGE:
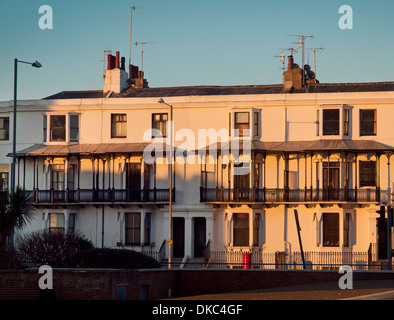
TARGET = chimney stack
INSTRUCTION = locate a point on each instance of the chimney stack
(115, 77)
(293, 77)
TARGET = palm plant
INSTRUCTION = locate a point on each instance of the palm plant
(16, 212)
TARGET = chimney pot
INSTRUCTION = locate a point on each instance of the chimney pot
(117, 61)
(290, 65)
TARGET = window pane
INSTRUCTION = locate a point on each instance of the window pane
(58, 128)
(241, 229)
(71, 222)
(44, 128)
(241, 122)
(367, 174)
(331, 229)
(3, 181)
(256, 124)
(57, 177)
(367, 122)
(56, 221)
(118, 126)
(4, 128)
(330, 122)
(159, 122)
(147, 228)
(74, 128)
(133, 228)
(346, 122)
(242, 117)
(256, 225)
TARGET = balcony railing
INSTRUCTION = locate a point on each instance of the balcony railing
(102, 195)
(226, 195)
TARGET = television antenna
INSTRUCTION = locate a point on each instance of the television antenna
(291, 50)
(142, 52)
(106, 52)
(282, 58)
(301, 44)
(131, 21)
(314, 54)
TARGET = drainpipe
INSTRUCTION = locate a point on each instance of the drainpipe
(102, 227)
(289, 246)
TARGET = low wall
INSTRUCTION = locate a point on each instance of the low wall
(108, 284)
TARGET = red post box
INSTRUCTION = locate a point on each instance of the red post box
(246, 260)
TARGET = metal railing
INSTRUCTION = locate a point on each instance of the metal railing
(101, 195)
(231, 259)
(289, 195)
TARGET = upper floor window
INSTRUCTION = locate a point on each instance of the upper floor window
(331, 122)
(256, 124)
(159, 122)
(118, 126)
(346, 128)
(368, 122)
(367, 173)
(74, 128)
(61, 127)
(241, 123)
(4, 128)
(57, 128)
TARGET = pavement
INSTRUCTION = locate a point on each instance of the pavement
(362, 290)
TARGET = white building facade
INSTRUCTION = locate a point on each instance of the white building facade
(325, 150)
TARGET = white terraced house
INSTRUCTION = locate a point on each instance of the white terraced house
(246, 157)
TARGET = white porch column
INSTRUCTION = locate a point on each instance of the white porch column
(189, 236)
(209, 231)
(142, 235)
(251, 220)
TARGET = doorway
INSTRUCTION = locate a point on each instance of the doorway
(178, 229)
(133, 181)
(241, 185)
(331, 185)
(199, 237)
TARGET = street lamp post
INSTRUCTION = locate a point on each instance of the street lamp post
(170, 205)
(13, 172)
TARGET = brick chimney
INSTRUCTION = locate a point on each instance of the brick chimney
(137, 77)
(293, 77)
(115, 77)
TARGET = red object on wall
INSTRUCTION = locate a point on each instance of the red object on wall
(246, 260)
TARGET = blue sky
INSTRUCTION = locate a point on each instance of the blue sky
(205, 42)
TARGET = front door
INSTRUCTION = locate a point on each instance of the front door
(199, 237)
(178, 229)
(331, 185)
(133, 182)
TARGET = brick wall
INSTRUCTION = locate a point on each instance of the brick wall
(102, 284)
(69, 284)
